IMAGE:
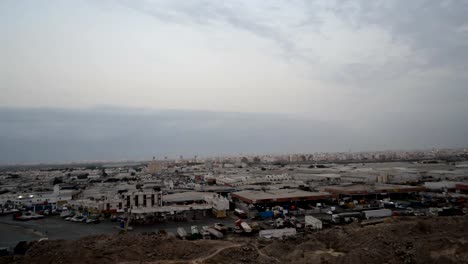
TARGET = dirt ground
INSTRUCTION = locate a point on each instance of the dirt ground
(401, 240)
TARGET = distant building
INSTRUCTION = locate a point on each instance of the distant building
(376, 189)
(141, 199)
(208, 165)
(126, 200)
(154, 167)
(279, 196)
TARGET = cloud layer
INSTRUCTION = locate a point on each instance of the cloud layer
(354, 64)
(106, 133)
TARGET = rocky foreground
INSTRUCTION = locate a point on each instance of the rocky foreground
(401, 240)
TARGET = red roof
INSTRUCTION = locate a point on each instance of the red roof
(461, 186)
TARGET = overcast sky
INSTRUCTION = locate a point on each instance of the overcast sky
(357, 65)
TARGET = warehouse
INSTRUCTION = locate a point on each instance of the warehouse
(279, 196)
(183, 206)
(372, 190)
(441, 185)
(462, 187)
(185, 197)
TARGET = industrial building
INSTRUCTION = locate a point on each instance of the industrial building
(442, 185)
(375, 189)
(154, 167)
(279, 196)
(462, 187)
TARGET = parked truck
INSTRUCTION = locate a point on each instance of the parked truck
(204, 232)
(221, 228)
(370, 214)
(181, 233)
(313, 223)
(195, 233)
(347, 217)
(246, 227)
(243, 226)
(240, 213)
(214, 233)
(277, 233)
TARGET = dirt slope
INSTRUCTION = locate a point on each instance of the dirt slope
(402, 240)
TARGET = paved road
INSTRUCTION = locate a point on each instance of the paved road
(11, 235)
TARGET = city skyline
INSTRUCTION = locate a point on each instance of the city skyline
(106, 133)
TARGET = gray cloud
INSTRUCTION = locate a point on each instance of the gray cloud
(51, 135)
(391, 73)
(425, 23)
(211, 12)
(431, 26)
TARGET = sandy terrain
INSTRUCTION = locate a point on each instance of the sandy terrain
(402, 240)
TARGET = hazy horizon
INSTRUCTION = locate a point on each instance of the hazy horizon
(78, 77)
(51, 135)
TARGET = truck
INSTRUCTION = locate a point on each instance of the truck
(181, 232)
(221, 228)
(347, 217)
(243, 227)
(195, 232)
(246, 227)
(370, 214)
(205, 234)
(313, 223)
(277, 233)
(240, 213)
(214, 233)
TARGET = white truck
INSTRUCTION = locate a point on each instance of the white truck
(215, 233)
(277, 233)
(313, 223)
(370, 214)
(246, 227)
(181, 232)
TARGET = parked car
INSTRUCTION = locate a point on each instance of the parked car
(92, 221)
(221, 228)
(78, 218)
(240, 213)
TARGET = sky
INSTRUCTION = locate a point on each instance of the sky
(312, 75)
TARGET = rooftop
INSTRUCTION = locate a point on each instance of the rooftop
(371, 189)
(320, 175)
(185, 197)
(462, 186)
(282, 195)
